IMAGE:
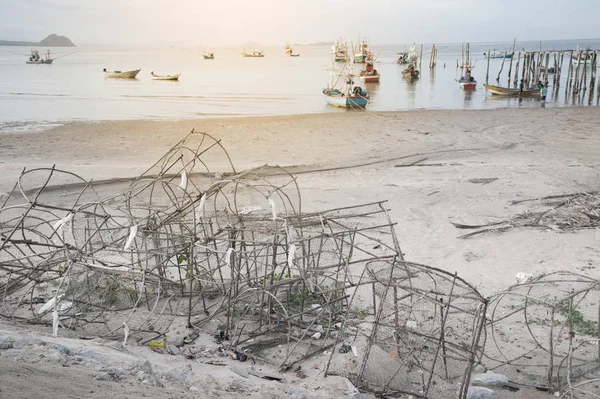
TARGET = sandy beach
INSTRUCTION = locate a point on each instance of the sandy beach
(421, 162)
(353, 158)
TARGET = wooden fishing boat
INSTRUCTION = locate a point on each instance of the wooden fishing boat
(467, 81)
(208, 56)
(495, 55)
(165, 77)
(360, 57)
(121, 75)
(254, 54)
(509, 92)
(411, 72)
(350, 96)
(369, 74)
(339, 51)
(36, 59)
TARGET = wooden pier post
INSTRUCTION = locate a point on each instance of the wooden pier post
(576, 74)
(501, 68)
(583, 82)
(570, 72)
(487, 68)
(517, 70)
(511, 61)
(524, 66)
(559, 70)
(547, 67)
(421, 57)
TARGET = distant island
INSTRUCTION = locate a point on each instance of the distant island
(51, 41)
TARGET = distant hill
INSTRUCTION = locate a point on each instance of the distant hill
(51, 41)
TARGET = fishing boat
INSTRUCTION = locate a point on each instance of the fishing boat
(467, 81)
(411, 71)
(403, 59)
(288, 48)
(507, 91)
(121, 74)
(253, 54)
(494, 54)
(585, 59)
(350, 96)
(289, 51)
(208, 56)
(369, 74)
(35, 58)
(165, 77)
(339, 51)
(408, 57)
(360, 57)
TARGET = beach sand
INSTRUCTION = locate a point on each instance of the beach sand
(419, 161)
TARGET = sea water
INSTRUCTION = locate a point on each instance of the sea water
(74, 87)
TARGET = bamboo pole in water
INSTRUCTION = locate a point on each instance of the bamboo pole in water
(524, 67)
(517, 70)
(547, 67)
(569, 72)
(582, 83)
(487, 68)
(576, 77)
(511, 61)
(421, 57)
(559, 70)
(501, 68)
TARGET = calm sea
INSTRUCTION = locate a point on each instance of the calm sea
(74, 88)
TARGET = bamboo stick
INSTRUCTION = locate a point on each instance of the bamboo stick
(501, 68)
(487, 68)
(517, 70)
(547, 67)
(511, 61)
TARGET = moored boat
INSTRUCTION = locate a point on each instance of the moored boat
(408, 57)
(411, 71)
(121, 74)
(35, 58)
(360, 57)
(495, 55)
(339, 51)
(208, 56)
(350, 96)
(165, 77)
(253, 54)
(507, 91)
(467, 81)
(370, 74)
(289, 51)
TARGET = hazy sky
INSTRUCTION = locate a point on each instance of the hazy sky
(273, 22)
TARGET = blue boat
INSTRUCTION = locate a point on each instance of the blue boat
(350, 97)
(494, 54)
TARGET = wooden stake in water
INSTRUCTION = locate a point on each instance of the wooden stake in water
(487, 68)
(511, 60)
(501, 68)
(517, 70)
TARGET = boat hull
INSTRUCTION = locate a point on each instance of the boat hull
(46, 62)
(370, 78)
(578, 62)
(122, 75)
(347, 102)
(168, 77)
(508, 92)
(254, 56)
(500, 56)
(207, 57)
(468, 85)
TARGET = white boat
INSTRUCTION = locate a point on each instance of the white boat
(121, 74)
(165, 77)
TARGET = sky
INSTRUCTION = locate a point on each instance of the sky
(214, 23)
